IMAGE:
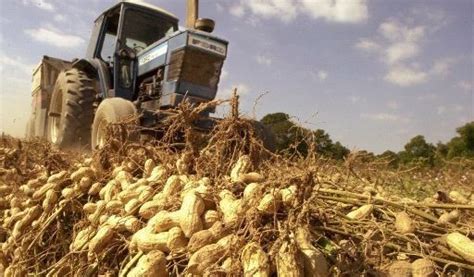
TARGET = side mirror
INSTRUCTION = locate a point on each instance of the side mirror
(205, 24)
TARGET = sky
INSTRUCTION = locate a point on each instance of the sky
(371, 73)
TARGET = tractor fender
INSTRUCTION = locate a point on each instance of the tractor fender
(99, 70)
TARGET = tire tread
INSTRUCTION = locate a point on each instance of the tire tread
(78, 109)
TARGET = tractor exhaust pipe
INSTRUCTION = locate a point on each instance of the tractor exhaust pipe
(192, 18)
(192, 13)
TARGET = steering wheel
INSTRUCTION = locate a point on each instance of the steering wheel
(138, 48)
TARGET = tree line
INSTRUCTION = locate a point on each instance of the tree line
(291, 138)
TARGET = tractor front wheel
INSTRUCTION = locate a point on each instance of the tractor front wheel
(110, 111)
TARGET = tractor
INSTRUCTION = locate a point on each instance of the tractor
(138, 63)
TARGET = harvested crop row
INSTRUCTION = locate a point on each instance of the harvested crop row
(147, 214)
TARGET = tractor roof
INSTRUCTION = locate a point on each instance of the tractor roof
(139, 3)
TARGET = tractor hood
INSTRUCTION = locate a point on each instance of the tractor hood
(191, 62)
(155, 54)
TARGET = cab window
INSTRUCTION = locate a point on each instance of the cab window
(110, 38)
(142, 29)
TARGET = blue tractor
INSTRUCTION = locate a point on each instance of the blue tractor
(139, 62)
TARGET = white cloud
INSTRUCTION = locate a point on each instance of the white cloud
(441, 110)
(393, 105)
(458, 108)
(9, 65)
(242, 89)
(55, 38)
(219, 7)
(398, 52)
(464, 119)
(427, 97)
(59, 18)
(405, 76)
(318, 75)
(354, 98)
(381, 116)
(403, 42)
(435, 18)
(237, 10)
(396, 31)
(15, 77)
(386, 117)
(285, 10)
(400, 41)
(322, 75)
(224, 74)
(409, 75)
(367, 45)
(42, 4)
(341, 11)
(466, 85)
(227, 92)
(264, 60)
(442, 67)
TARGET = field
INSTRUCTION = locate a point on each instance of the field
(224, 205)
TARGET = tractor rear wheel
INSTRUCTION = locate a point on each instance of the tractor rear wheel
(72, 109)
(111, 110)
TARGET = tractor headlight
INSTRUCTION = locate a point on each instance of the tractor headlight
(207, 44)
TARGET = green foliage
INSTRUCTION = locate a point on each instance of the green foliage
(456, 148)
(287, 134)
(339, 151)
(391, 158)
(365, 156)
(418, 151)
(441, 150)
(292, 139)
(296, 139)
(463, 144)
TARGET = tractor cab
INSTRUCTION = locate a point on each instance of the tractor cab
(153, 63)
(122, 32)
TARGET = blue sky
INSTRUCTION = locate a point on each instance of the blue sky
(371, 73)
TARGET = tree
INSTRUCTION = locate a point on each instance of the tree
(295, 139)
(323, 142)
(390, 157)
(457, 148)
(417, 150)
(339, 151)
(285, 131)
(280, 125)
(466, 133)
(463, 144)
(442, 150)
(365, 156)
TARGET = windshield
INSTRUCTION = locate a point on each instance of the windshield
(142, 29)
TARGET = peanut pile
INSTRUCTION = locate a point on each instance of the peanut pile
(159, 218)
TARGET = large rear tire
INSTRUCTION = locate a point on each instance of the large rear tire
(72, 109)
(111, 110)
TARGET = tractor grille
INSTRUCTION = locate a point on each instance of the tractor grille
(196, 67)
